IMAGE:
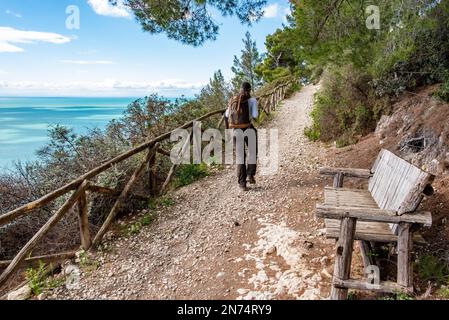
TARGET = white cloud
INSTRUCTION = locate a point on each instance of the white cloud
(8, 36)
(3, 72)
(87, 62)
(271, 11)
(14, 14)
(110, 85)
(105, 8)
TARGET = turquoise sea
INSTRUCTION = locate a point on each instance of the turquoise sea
(24, 121)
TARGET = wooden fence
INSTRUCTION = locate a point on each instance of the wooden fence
(82, 185)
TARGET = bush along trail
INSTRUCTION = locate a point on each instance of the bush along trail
(210, 241)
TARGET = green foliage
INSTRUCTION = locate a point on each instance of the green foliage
(244, 68)
(87, 262)
(191, 22)
(162, 202)
(189, 173)
(398, 296)
(431, 268)
(39, 281)
(216, 94)
(345, 140)
(443, 91)
(36, 278)
(285, 53)
(344, 108)
(147, 219)
(166, 202)
(135, 227)
(366, 66)
(443, 292)
(352, 295)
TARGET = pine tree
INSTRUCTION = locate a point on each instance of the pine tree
(191, 21)
(244, 68)
(216, 94)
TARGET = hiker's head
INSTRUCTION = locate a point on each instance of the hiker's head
(246, 87)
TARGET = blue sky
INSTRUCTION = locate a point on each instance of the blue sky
(109, 55)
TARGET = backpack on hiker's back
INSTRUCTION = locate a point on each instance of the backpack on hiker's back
(239, 113)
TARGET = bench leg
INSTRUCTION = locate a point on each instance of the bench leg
(343, 257)
(405, 246)
(366, 252)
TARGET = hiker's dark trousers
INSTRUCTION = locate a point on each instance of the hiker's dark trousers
(248, 166)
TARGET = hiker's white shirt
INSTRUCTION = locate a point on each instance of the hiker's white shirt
(253, 111)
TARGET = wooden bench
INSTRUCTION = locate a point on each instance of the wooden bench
(385, 213)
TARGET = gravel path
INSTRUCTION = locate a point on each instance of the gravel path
(216, 242)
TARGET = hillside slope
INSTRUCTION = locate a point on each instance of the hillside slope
(418, 131)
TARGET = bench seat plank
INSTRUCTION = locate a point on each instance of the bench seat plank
(344, 197)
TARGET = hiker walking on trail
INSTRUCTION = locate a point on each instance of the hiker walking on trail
(242, 109)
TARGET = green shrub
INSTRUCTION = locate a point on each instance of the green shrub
(443, 292)
(147, 219)
(317, 72)
(135, 227)
(312, 133)
(345, 140)
(87, 262)
(189, 173)
(398, 296)
(39, 281)
(431, 268)
(166, 202)
(345, 107)
(37, 278)
(443, 92)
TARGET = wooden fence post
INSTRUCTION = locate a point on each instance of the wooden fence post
(175, 166)
(119, 202)
(83, 220)
(152, 170)
(24, 252)
(223, 118)
(343, 257)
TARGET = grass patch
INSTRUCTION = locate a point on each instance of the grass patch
(398, 296)
(39, 281)
(263, 117)
(166, 202)
(86, 262)
(162, 202)
(189, 173)
(135, 227)
(431, 268)
(443, 92)
(443, 292)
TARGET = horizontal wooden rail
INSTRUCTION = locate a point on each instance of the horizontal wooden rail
(369, 214)
(45, 258)
(113, 192)
(382, 287)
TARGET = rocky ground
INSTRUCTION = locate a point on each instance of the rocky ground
(217, 242)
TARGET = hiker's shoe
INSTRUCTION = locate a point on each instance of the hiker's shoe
(243, 188)
(251, 180)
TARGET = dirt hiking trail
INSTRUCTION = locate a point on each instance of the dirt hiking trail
(216, 242)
